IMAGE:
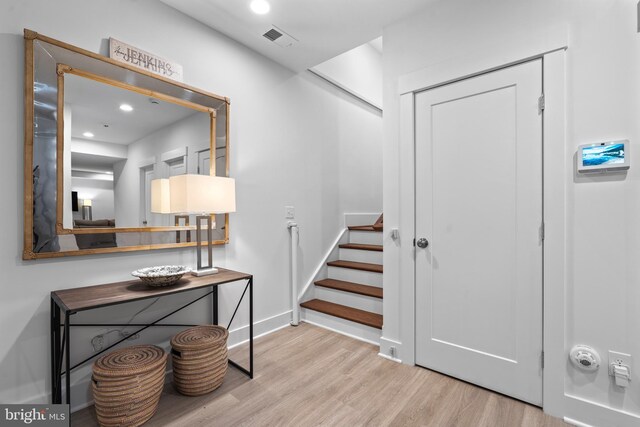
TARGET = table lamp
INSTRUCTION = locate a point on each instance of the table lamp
(86, 209)
(202, 195)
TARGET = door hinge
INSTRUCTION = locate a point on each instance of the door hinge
(541, 103)
(414, 242)
(542, 232)
(542, 359)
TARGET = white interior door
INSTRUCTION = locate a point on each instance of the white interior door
(177, 166)
(204, 162)
(147, 217)
(479, 205)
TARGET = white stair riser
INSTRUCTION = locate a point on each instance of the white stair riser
(361, 219)
(340, 325)
(357, 255)
(365, 237)
(356, 276)
(349, 299)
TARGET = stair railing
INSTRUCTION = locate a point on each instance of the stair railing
(295, 238)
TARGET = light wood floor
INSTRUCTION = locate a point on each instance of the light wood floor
(308, 376)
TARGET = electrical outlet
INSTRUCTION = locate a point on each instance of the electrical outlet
(97, 342)
(289, 212)
(621, 359)
(393, 351)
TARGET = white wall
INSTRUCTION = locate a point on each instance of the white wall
(290, 139)
(358, 70)
(99, 191)
(192, 133)
(101, 194)
(603, 237)
(98, 148)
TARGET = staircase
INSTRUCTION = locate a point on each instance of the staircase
(349, 300)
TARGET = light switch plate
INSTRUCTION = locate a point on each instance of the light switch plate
(289, 212)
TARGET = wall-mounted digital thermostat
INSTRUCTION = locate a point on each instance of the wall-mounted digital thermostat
(584, 358)
(603, 156)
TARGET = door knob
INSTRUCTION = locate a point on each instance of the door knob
(422, 243)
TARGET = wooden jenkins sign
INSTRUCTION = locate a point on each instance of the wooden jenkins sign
(137, 57)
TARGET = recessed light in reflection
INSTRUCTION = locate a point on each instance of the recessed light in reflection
(260, 7)
(126, 107)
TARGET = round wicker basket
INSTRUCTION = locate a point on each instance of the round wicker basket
(200, 359)
(127, 385)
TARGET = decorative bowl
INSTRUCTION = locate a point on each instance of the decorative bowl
(163, 275)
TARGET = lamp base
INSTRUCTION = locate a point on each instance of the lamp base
(204, 271)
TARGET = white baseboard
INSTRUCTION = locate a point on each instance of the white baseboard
(578, 409)
(385, 349)
(393, 359)
(575, 423)
(262, 327)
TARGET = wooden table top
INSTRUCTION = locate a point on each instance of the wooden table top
(89, 297)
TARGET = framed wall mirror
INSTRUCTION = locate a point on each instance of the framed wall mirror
(97, 133)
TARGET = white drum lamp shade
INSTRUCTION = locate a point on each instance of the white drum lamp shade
(160, 196)
(202, 194)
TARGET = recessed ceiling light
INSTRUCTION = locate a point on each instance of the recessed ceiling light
(126, 107)
(260, 7)
(88, 135)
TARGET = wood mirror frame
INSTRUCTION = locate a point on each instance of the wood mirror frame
(31, 37)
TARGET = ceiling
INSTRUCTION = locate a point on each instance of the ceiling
(324, 28)
(94, 105)
(93, 163)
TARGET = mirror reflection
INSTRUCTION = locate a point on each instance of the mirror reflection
(118, 142)
(101, 133)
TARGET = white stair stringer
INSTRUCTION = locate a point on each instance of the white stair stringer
(321, 271)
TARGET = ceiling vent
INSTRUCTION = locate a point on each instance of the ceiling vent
(279, 37)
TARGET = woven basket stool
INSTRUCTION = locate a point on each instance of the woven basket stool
(127, 384)
(200, 359)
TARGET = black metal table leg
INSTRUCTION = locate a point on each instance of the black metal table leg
(214, 301)
(67, 354)
(249, 287)
(55, 352)
(251, 327)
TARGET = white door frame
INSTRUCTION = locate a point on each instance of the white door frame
(551, 49)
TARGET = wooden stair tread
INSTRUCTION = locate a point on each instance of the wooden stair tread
(361, 247)
(364, 266)
(365, 228)
(354, 288)
(342, 311)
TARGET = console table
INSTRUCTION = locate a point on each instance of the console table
(72, 301)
